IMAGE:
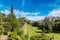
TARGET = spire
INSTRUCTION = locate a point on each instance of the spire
(11, 9)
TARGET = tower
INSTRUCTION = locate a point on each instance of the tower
(11, 9)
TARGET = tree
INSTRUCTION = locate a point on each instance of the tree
(11, 18)
(1, 30)
(36, 24)
(52, 24)
(21, 21)
(13, 21)
(56, 28)
(29, 22)
(7, 28)
(1, 24)
(49, 25)
(13, 36)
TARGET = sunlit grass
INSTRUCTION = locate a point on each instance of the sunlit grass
(55, 35)
(32, 32)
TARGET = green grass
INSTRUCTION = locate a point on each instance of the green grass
(55, 35)
(32, 32)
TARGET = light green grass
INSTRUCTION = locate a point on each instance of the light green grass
(32, 32)
(55, 35)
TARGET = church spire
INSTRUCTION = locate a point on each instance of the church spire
(11, 9)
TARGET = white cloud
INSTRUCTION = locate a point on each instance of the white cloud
(35, 18)
(5, 11)
(24, 14)
(21, 13)
(16, 12)
(34, 13)
(55, 12)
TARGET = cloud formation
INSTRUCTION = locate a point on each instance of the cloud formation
(5, 11)
(28, 15)
(35, 18)
(55, 12)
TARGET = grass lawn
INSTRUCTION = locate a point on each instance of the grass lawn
(32, 32)
(55, 35)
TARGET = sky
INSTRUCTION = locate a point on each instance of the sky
(31, 9)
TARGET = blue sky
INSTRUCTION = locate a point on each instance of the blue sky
(31, 9)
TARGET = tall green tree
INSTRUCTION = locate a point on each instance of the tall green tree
(13, 21)
(51, 25)
(11, 18)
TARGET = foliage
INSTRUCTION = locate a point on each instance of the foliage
(13, 36)
(13, 21)
(21, 21)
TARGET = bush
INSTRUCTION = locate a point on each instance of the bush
(13, 36)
